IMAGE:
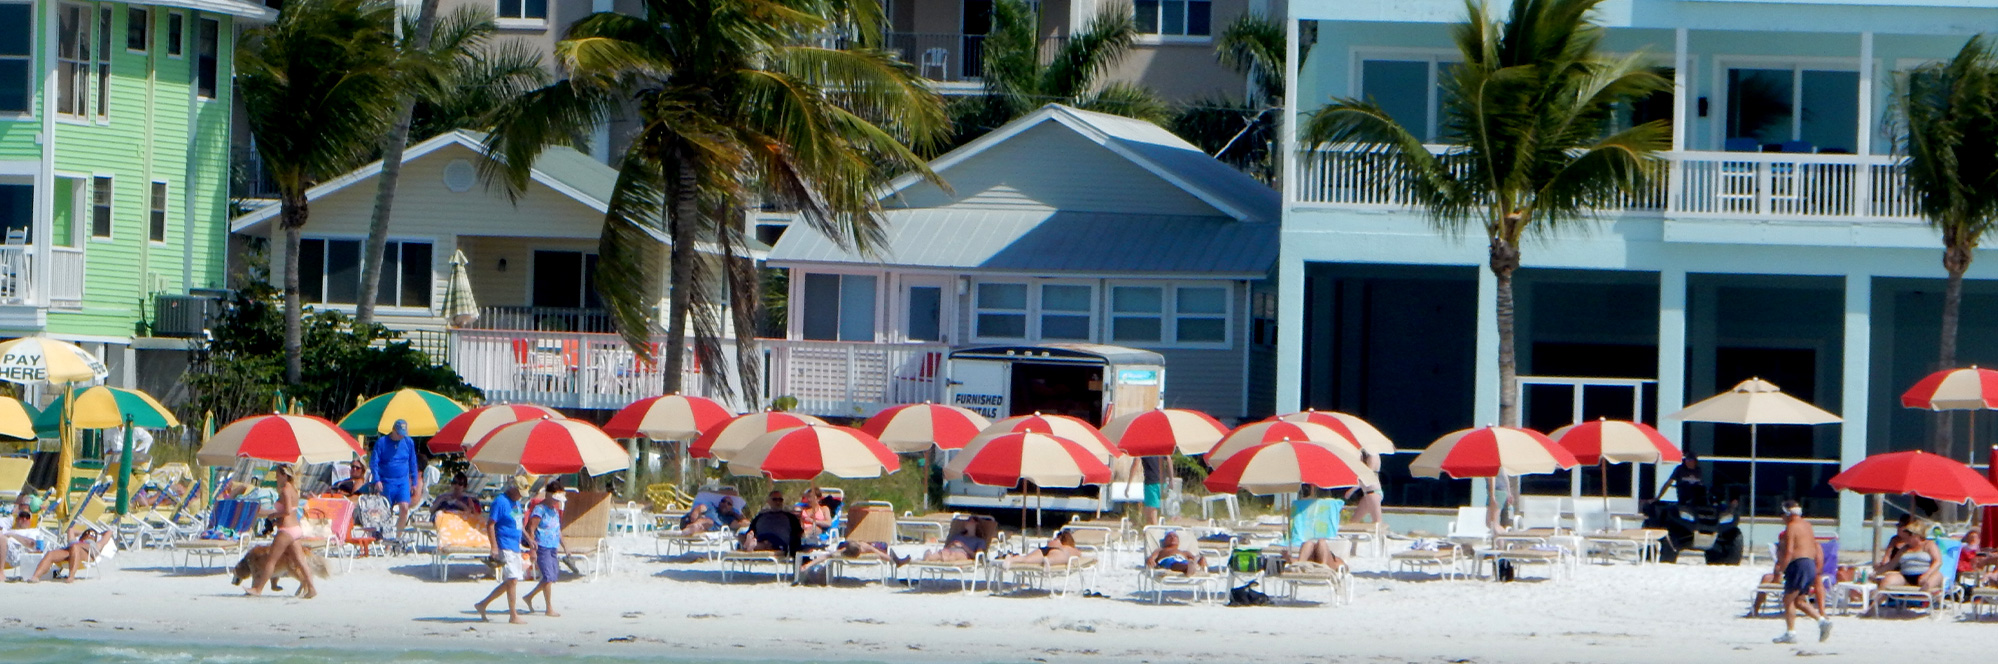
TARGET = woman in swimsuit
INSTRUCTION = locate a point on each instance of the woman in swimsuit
(813, 514)
(1170, 557)
(964, 544)
(81, 551)
(1914, 562)
(1368, 508)
(286, 542)
(1057, 551)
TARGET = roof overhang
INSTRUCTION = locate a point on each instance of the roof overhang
(254, 11)
(847, 266)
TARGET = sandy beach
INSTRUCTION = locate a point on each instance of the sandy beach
(654, 608)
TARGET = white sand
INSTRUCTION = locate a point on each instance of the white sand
(1620, 613)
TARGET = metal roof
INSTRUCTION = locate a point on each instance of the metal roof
(1043, 241)
(1063, 352)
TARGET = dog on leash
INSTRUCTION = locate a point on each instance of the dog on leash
(254, 559)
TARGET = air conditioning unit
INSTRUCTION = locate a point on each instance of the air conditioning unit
(181, 315)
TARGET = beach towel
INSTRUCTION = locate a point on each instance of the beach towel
(454, 531)
(1314, 518)
(330, 519)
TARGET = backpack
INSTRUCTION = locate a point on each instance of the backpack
(1247, 595)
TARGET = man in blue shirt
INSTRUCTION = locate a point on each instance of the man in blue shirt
(397, 471)
(544, 522)
(503, 526)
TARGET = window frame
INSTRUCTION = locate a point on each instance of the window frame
(392, 278)
(1158, 22)
(107, 22)
(1722, 64)
(28, 61)
(1226, 315)
(159, 202)
(79, 60)
(1111, 315)
(1169, 315)
(520, 20)
(176, 47)
(144, 26)
(1435, 59)
(877, 322)
(213, 60)
(110, 208)
(978, 308)
(1039, 311)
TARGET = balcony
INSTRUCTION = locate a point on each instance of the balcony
(551, 319)
(1722, 185)
(855, 379)
(18, 275)
(248, 179)
(952, 58)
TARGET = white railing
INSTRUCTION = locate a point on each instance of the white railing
(17, 284)
(66, 277)
(561, 369)
(1372, 178)
(855, 379)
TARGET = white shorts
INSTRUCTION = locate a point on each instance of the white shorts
(512, 566)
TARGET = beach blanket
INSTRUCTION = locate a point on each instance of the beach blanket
(1314, 518)
(454, 531)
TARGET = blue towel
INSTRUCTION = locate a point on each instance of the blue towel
(1314, 518)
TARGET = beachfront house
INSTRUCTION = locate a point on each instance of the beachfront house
(1781, 244)
(1063, 226)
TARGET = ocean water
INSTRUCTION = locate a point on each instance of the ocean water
(36, 649)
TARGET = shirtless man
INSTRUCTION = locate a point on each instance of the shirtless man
(1799, 565)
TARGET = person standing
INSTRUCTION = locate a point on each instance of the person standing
(1798, 563)
(503, 526)
(545, 522)
(397, 472)
(1155, 478)
(285, 542)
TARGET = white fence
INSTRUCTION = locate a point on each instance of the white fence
(66, 277)
(855, 379)
(18, 275)
(560, 369)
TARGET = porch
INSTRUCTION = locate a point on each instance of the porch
(19, 275)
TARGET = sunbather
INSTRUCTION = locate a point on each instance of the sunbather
(964, 543)
(82, 550)
(772, 537)
(457, 500)
(712, 515)
(1057, 551)
(23, 538)
(1317, 551)
(1917, 562)
(1170, 557)
(1367, 509)
(814, 514)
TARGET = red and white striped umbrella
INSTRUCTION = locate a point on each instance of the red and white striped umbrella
(915, 427)
(279, 438)
(1283, 467)
(472, 426)
(667, 417)
(804, 453)
(1352, 427)
(1061, 426)
(1954, 389)
(722, 441)
(1490, 451)
(1616, 441)
(1264, 432)
(1163, 431)
(549, 446)
(1007, 459)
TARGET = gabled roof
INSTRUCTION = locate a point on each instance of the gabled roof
(1147, 145)
(255, 11)
(1049, 241)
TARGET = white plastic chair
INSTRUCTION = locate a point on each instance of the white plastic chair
(935, 57)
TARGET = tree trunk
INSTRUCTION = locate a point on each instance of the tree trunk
(392, 149)
(292, 218)
(1505, 261)
(682, 224)
(1956, 260)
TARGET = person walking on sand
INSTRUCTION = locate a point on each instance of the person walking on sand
(503, 526)
(545, 521)
(285, 543)
(398, 473)
(1798, 561)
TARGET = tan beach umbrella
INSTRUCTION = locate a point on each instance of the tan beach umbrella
(1363, 433)
(1273, 431)
(459, 306)
(804, 453)
(1069, 428)
(723, 440)
(549, 446)
(1755, 402)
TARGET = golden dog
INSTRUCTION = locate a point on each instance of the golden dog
(254, 559)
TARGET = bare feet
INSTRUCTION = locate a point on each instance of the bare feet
(308, 593)
(517, 621)
(481, 608)
(552, 614)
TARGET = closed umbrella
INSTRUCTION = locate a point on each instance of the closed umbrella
(724, 440)
(1971, 389)
(916, 427)
(459, 306)
(1604, 442)
(279, 439)
(1163, 431)
(1260, 433)
(1754, 402)
(423, 410)
(1352, 427)
(1006, 460)
(804, 453)
(548, 446)
(1914, 473)
(466, 430)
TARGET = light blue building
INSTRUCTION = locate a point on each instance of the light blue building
(1782, 245)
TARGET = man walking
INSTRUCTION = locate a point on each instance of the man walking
(1798, 563)
(397, 471)
(504, 529)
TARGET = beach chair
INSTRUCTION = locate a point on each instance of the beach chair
(1204, 583)
(1542, 512)
(871, 523)
(14, 476)
(1100, 542)
(1771, 593)
(1470, 527)
(1445, 557)
(927, 528)
(782, 528)
(329, 526)
(1289, 578)
(459, 538)
(1980, 600)
(1057, 580)
(712, 544)
(1937, 604)
(230, 523)
(966, 571)
(586, 521)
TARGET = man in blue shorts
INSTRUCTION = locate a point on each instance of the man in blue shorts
(503, 526)
(1155, 477)
(1797, 561)
(396, 471)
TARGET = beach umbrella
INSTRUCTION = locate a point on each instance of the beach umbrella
(1069, 428)
(17, 420)
(1491, 452)
(1163, 431)
(804, 453)
(1352, 427)
(667, 417)
(1261, 433)
(722, 441)
(1754, 402)
(1971, 389)
(1007, 459)
(32, 360)
(103, 407)
(460, 308)
(1282, 467)
(280, 439)
(916, 427)
(425, 411)
(1914, 473)
(469, 428)
(548, 446)
(1605, 441)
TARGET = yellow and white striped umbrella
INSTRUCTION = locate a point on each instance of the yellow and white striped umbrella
(43, 360)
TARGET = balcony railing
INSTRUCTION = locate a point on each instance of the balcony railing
(18, 275)
(549, 319)
(560, 369)
(855, 379)
(247, 176)
(951, 57)
(1730, 185)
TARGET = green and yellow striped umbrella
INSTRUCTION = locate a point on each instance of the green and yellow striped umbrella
(17, 420)
(103, 407)
(425, 411)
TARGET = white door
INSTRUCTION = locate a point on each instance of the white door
(925, 307)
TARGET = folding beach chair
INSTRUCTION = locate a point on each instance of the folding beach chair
(870, 523)
(230, 524)
(1937, 603)
(967, 571)
(780, 528)
(458, 538)
(14, 476)
(586, 520)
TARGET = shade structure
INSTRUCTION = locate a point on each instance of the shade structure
(31, 360)
(460, 308)
(1917, 473)
(1970, 388)
(1163, 431)
(1062, 426)
(916, 427)
(17, 420)
(549, 446)
(1755, 402)
(1352, 427)
(724, 440)
(1282, 467)
(425, 411)
(1008, 459)
(281, 439)
(1259, 433)
(1616, 441)
(1490, 452)
(103, 407)
(466, 430)
(804, 453)
(667, 417)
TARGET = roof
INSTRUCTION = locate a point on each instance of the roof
(255, 11)
(1043, 241)
(1064, 352)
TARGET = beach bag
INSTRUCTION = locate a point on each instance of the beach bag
(1246, 560)
(1505, 572)
(1247, 595)
(372, 513)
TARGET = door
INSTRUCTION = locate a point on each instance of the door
(924, 315)
(973, 24)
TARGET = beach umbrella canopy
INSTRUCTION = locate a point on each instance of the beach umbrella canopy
(467, 429)
(724, 440)
(915, 427)
(1755, 402)
(1162, 431)
(1069, 428)
(1352, 427)
(1954, 389)
(425, 411)
(281, 439)
(1261, 433)
(1616, 441)
(1007, 459)
(806, 452)
(459, 306)
(1917, 473)
(1282, 467)
(17, 420)
(667, 417)
(549, 446)
(103, 407)
(31, 360)
(1490, 452)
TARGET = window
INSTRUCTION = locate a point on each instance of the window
(1066, 311)
(176, 36)
(1136, 314)
(17, 56)
(565, 279)
(1200, 314)
(104, 61)
(406, 275)
(138, 28)
(1002, 311)
(207, 38)
(1792, 109)
(17, 212)
(1410, 89)
(72, 59)
(159, 209)
(330, 273)
(1174, 17)
(100, 208)
(1264, 320)
(839, 307)
(523, 9)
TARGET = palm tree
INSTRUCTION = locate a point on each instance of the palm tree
(736, 100)
(1951, 109)
(1528, 117)
(1017, 81)
(1243, 133)
(318, 88)
(463, 75)
(1253, 44)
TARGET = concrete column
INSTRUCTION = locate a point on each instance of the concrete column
(1290, 330)
(1485, 410)
(1858, 365)
(1681, 122)
(1671, 357)
(1862, 186)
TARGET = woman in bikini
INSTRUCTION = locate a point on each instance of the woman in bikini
(814, 515)
(1056, 552)
(82, 550)
(964, 544)
(286, 542)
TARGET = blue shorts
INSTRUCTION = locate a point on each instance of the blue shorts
(1800, 575)
(1154, 495)
(397, 493)
(547, 563)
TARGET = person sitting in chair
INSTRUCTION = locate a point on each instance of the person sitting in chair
(82, 550)
(774, 529)
(1170, 557)
(966, 540)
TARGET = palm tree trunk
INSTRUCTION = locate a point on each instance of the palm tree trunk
(391, 175)
(292, 216)
(1956, 260)
(682, 226)
(1505, 261)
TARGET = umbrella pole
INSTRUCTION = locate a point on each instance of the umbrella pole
(65, 454)
(125, 471)
(1603, 465)
(1754, 455)
(1879, 522)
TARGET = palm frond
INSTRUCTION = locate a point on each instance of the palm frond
(1011, 57)
(319, 87)
(1363, 126)
(628, 249)
(528, 124)
(1129, 100)
(1090, 52)
(1254, 45)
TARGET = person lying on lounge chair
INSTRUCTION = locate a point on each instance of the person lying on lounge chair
(82, 550)
(1170, 557)
(1056, 552)
(1317, 551)
(718, 512)
(964, 543)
